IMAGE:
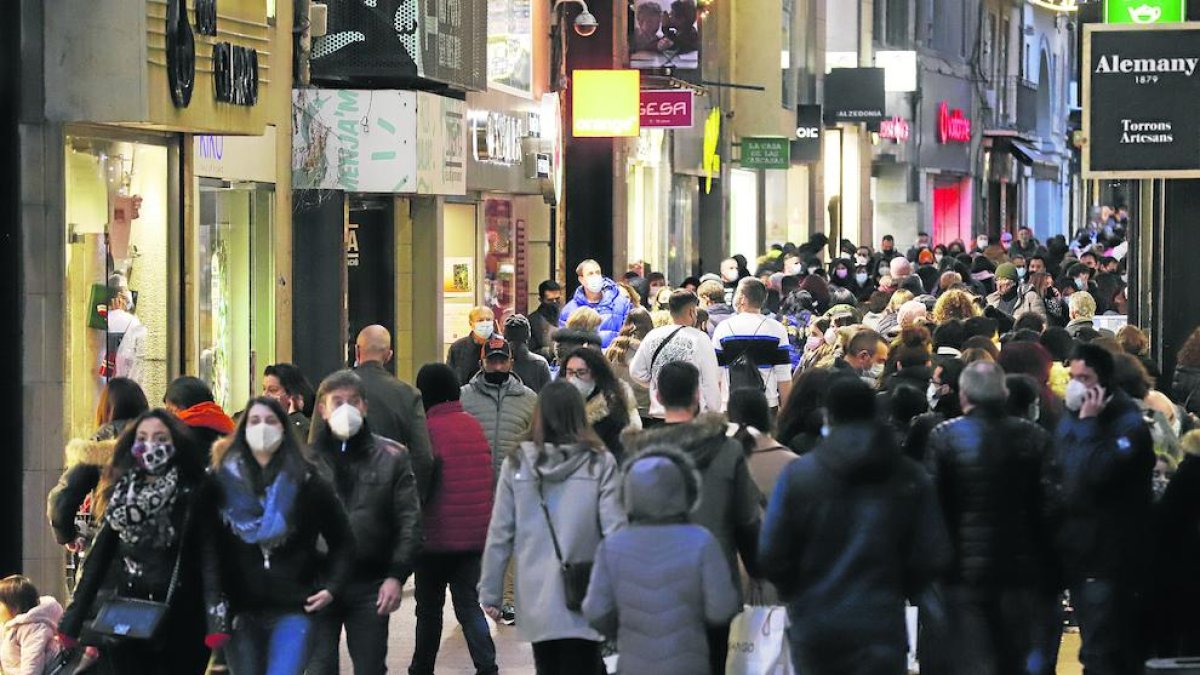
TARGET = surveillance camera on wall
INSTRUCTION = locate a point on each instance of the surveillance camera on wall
(586, 24)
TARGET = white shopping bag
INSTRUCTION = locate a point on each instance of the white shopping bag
(758, 643)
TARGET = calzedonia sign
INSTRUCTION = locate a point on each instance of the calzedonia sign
(1141, 101)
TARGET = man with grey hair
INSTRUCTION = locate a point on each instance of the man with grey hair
(994, 478)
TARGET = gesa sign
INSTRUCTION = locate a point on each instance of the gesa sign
(666, 109)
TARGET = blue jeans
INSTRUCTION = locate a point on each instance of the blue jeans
(366, 632)
(1108, 612)
(269, 643)
(459, 571)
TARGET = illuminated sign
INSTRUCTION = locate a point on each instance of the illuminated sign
(712, 148)
(496, 137)
(899, 70)
(606, 103)
(896, 129)
(669, 109)
(1145, 11)
(952, 125)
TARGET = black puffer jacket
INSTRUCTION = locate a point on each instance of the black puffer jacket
(1185, 388)
(374, 479)
(995, 480)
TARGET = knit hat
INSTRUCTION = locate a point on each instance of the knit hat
(925, 257)
(1007, 271)
(437, 384)
(516, 328)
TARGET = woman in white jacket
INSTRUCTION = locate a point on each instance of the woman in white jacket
(566, 470)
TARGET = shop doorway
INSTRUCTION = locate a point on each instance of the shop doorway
(236, 288)
(370, 269)
(951, 210)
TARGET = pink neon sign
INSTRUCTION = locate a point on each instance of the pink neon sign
(952, 126)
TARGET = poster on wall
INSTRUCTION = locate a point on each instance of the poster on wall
(664, 34)
(510, 45)
(458, 278)
(441, 145)
(500, 250)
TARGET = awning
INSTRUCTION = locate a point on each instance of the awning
(1026, 153)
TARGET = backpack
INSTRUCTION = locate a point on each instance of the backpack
(744, 372)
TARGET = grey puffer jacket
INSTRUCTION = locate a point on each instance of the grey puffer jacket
(659, 583)
(729, 500)
(581, 494)
(504, 411)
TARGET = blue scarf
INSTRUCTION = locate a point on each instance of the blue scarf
(262, 521)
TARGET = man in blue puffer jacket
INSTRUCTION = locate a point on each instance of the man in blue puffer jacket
(601, 294)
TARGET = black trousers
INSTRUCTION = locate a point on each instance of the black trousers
(568, 657)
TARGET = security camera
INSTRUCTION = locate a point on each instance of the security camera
(586, 24)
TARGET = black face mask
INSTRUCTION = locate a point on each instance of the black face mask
(496, 377)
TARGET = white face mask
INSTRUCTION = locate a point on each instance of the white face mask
(932, 395)
(937, 257)
(263, 437)
(1076, 391)
(595, 284)
(981, 242)
(861, 259)
(585, 387)
(346, 421)
(861, 278)
(731, 275)
(484, 329)
(793, 270)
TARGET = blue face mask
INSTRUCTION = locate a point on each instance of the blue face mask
(1080, 283)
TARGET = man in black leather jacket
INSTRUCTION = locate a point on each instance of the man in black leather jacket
(374, 479)
(995, 480)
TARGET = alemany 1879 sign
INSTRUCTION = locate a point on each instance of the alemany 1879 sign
(1141, 93)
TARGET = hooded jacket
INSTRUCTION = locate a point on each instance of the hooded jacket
(84, 462)
(460, 503)
(729, 505)
(373, 477)
(852, 529)
(28, 641)
(580, 488)
(659, 583)
(613, 307)
(505, 412)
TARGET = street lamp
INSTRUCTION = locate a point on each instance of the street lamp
(585, 23)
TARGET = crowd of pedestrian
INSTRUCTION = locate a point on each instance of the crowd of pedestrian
(948, 429)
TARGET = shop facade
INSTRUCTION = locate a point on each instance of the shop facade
(949, 142)
(113, 215)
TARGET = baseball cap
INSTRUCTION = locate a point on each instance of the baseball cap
(497, 346)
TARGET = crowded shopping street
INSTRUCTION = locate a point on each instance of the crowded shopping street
(591, 337)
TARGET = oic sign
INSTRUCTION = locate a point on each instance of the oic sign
(1145, 11)
(1141, 91)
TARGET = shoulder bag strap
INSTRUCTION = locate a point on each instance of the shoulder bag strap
(546, 512)
(183, 535)
(662, 344)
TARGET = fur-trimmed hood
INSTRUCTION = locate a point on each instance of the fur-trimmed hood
(660, 485)
(88, 452)
(701, 439)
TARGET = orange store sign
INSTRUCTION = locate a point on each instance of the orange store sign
(606, 103)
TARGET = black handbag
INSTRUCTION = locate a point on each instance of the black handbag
(136, 619)
(576, 575)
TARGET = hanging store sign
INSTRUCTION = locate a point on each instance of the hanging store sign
(711, 159)
(766, 152)
(496, 137)
(1145, 11)
(806, 146)
(236, 158)
(855, 95)
(896, 129)
(953, 126)
(667, 109)
(606, 103)
(1141, 91)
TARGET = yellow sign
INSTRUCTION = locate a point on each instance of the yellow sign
(606, 103)
(712, 148)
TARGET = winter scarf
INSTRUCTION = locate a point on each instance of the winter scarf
(208, 415)
(256, 520)
(140, 509)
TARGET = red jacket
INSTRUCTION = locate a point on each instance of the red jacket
(459, 509)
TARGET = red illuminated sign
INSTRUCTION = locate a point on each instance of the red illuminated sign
(952, 126)
(666, 109)
(896, 129)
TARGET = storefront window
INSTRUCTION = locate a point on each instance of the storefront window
(500, 257)
(118, 309)
(236, 303)
(648, 182)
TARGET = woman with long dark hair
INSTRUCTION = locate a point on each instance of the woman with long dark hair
(611, 405)
(152, 525)
(803, 414)
(287, 384)
(1185, 387)
(556, 499)
(765, 457)
(272, 506)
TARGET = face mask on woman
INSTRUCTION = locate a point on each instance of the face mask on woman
(153, 456)
(841, 272)
(585, 387)
(346, 421)
(813, 343)
(264, 438)
(861, 278)
(1080, 283)
(861, 259)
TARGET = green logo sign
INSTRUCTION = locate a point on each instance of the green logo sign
(1144, 11)
(765, 152)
